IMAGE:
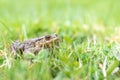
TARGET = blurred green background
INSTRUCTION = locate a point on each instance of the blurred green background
(90, 10)
(23, 19)
(76, 21)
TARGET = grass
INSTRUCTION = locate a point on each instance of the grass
(90, 32)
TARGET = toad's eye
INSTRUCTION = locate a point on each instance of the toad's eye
(47, 37)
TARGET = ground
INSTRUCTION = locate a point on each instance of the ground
(90, 33)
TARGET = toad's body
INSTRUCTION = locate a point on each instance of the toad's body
(34, 45)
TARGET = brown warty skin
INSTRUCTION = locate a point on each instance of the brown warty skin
(34, 45)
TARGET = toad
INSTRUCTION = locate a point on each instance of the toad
(34, 45)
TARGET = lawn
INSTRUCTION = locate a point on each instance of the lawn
(90, 33)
